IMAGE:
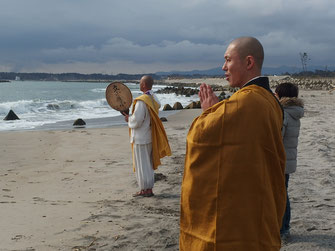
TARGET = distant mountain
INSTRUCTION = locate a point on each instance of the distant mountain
(266, 71)
(69, 76)
(8, 76)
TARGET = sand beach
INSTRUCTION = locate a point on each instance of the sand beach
(71, 189)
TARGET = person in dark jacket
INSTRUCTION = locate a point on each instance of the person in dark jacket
(287, 94)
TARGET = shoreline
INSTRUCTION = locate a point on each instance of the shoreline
(219, 83)
(94, 123)
(101, 123)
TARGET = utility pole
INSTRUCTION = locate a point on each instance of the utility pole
(304, 58)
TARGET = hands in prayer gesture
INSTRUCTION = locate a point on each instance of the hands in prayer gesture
(207, 96)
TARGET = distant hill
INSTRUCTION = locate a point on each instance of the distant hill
(70, 76)
(214, 72)
(266, 71)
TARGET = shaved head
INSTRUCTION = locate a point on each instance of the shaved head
(243, 61)
(148, 81)
(249, 46)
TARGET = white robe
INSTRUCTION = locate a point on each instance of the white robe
(140, 136)
(143, 166)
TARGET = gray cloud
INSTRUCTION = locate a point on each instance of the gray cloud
(150, 35)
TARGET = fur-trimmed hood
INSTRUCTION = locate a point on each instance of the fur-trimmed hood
(293, 106)
(291, 101)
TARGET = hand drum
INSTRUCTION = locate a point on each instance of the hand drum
(119, 97)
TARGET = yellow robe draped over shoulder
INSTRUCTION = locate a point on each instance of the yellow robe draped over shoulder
(233, 190)
(160, 143)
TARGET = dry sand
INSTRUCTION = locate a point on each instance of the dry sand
(72, 189)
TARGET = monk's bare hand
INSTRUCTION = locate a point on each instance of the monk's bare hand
(126, 116)
(207, 97)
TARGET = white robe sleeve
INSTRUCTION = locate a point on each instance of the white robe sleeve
(157, 100)
(137, 118)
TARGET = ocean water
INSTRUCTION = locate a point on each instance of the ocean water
(41, 103)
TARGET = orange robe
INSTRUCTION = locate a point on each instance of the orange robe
(233, 190)
(160, 143)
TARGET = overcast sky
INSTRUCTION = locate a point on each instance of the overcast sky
(142, 36)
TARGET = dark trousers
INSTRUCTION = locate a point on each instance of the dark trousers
(287, 216)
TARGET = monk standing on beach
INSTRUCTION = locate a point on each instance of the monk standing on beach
(147, 136)
(233, 190)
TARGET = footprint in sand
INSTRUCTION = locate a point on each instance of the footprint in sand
(17, 237)
(8, 196)
(39, 199)
(67, 179)
(110, 163)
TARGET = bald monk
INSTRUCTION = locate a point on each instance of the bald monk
(147, 136)
(233, 190)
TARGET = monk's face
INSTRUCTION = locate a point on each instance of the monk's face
(234, 67)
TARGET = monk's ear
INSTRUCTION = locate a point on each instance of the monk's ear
(250, 62)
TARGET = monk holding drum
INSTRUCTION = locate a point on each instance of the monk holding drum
(147, 134)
